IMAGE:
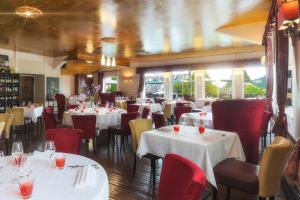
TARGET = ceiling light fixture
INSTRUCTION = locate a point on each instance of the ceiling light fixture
(108, 61)
(28, 12)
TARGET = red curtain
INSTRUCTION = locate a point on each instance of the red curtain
(269, 69)
(141, 83)
(282, 55)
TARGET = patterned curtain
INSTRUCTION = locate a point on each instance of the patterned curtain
(282, 55)
(269, 65)
(141, 84)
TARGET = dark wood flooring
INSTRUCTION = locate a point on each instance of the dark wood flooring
(118, 165)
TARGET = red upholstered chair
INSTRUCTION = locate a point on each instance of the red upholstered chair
(145, 113)
(243, 117)
(48, 109)
(132, 108)
(66, 140)
(265, 124)
(87, 123)
(158, 119)
(49, 120)
(179, 104)
(181, 110)
(129, 102)
(124, 129)
(61, 102)
(180, 179)
(70, 106)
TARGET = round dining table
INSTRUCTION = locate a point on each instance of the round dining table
(52, 183)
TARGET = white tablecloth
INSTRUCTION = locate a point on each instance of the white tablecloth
(199, 103)
(33, 113)
(53, 183)
(154, 107)
(195, 118)
(143, 100)
(104, 117)
(205, 150)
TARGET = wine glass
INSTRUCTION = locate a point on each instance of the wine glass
(50, 150)
(1, 159)
(24, 165)
(17, 152)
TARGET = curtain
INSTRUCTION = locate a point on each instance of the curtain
(282, 51)
(269, 62)
(141, 84)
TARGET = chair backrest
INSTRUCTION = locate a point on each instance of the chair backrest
(18, 116)
(271, 166)
(145, 113)
(61, 102)
(265, 122)
(87, 123)
(181, 110)
(2, 125)
(71, 106)
(66, 140)
(125, 118)
(48, 109)
(178, 104)
(158, 119)
(180, 179)
(137, 127)
(132, 108)
(244, 117)
(49, 120)
(107, 97)
(8, 119)
(167, 110)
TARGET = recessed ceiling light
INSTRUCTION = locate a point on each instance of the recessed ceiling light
(28, 12)
(108, 39)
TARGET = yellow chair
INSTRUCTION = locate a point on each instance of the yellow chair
(167, 111)
(263, 180)
(137, 127)
(20, 120)
(7, 118)
(39, 104)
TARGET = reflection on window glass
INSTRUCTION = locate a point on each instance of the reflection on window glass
(154, 85)
(218, 83)
(183, 85)
(110, 84)
(255, 82)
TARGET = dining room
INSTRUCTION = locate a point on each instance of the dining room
(149, 99)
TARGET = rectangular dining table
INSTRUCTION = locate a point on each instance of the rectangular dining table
(206, 150)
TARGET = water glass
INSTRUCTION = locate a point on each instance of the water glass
(17, 152)
(50, 149)
(26, 186)
(60, 160)
(1, 159)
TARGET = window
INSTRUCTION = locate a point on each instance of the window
(255, 82)
(183, 85)
(110, 84)
(154, 85)
(218, 83)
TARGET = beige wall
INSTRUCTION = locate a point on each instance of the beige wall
(67, 85)
(128, 81)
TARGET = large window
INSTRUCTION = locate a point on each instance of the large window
(154, 85)
(218, 83)
(255, 82)
(183, 84)
(110, 84)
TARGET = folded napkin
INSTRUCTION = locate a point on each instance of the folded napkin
(42, 155)
(85, 177)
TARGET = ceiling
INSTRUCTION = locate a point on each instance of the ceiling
(141, 27)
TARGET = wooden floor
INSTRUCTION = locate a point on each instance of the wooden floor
(122, 184)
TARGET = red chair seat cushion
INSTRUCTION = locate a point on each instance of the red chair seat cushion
(237, 174)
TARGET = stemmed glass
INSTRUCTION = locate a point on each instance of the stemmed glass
(17, 152)
(1, 159)
(50, 149)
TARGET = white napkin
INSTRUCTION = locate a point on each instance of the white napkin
(85, 177)
(42, 155)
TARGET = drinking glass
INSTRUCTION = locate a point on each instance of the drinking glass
(176, 129)
(1, 159)
(24, 164)
(60, 160)
(50, 149)
(17, 152)
(26, 186)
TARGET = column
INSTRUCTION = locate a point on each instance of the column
(200, 84)
(168, 85)
(238, 83)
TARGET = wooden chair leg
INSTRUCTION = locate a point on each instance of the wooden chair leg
(215, 193)
(153, 169)
(6, 145)
(134, 164)
(228, 193)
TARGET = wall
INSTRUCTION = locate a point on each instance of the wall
(67, 85)
(128, 81)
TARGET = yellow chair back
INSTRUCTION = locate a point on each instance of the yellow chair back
(167, 110)
(2, 125)
(18, 116)
(7, 118)
(271, 166)
(137, 127)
